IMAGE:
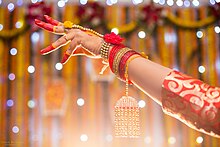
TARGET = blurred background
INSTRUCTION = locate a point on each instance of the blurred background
(45, 104)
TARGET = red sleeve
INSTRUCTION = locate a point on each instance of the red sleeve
(193, 102)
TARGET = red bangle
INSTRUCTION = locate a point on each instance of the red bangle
(123, 63)
(113, 53)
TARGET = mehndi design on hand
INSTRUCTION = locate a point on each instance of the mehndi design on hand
(69, 32)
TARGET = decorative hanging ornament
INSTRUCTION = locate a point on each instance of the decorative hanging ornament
(127, 118)
(127, 111)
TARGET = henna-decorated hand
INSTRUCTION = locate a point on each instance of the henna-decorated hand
(82, 41)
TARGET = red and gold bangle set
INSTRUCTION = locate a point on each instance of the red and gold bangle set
(118, 57)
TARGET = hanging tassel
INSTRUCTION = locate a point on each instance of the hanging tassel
(127, 122)
(127, 118)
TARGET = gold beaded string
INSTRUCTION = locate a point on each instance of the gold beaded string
(70, 25)
(126, 72)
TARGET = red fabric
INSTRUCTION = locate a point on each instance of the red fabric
(193, 102)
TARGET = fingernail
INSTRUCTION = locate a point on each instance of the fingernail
(37, 21)
(42, 51)
(46, 17)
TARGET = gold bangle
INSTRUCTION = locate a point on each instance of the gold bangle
(117, 59)
(104, 50)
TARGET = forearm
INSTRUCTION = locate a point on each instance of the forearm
(148, 77)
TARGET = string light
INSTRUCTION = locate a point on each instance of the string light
(84, 138)
(31, 69)
(11, 76)
(13, 51)
(15, 129)
(80, 102)
(141, 34)
(141, 104)
(115, 30)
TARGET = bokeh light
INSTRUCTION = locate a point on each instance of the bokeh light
(10, 103)
(136, 2)
(31, 104)
(83, 2)
(19, 2)
(195, 3)
(34, 1)
(11, 76)
(170, 2)
(201, 69)
(1, 27)
(217, 29)
(31, 69)
(59, 66)
(171, 140)
(35, 37)
(141, 103)
(18, 24)
(15, 129)
(13, 51)
(84, 138)
(147, 140)
(109, 138)
(162, 2)
(115, 30)
(179, 3)
(199, 139)
(11, 7)
(80, 102)
(141, 34)
(186, 3)
(199, 34)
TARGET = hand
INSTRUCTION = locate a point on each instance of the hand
(82, 41)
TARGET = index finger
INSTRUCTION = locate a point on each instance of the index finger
(50, 27)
